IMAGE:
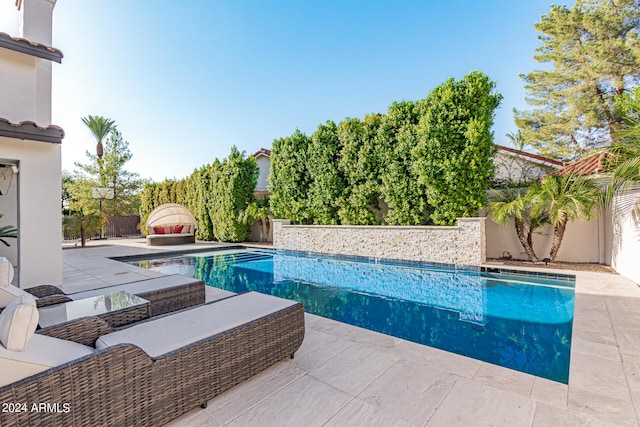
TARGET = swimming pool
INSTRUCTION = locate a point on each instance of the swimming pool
(514, 320)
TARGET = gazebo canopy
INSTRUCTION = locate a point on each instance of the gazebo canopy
(170, 214)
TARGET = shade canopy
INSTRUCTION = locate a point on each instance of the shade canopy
(170, 214)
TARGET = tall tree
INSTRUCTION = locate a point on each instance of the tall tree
(395, 139)
(594, 50)
(454, 149)
(325, 180)
(100, 127)
(359, 164)
(107, 172)
(289, 177)
(233, 182)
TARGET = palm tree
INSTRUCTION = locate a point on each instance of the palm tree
(6, 232)
(563, 199)
(511, 203)
(516, 139)
(257, 212)
(100, 128)
(85, 226)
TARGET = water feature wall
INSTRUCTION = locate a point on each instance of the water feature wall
(461, 244)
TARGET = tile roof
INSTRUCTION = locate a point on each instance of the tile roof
(589, 165)
(532, 156)
(31, 131)
(30, 48)
(262, 152)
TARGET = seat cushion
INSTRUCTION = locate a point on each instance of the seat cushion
(6, 272)
(169, 333)
(9, 293)
(18, 322)
(140, 287)
(40, 354)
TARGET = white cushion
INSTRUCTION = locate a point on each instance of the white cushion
(18, 322)
(8, 294)
(135, 288)
(6, 272)
(166, 334)
(42, 353)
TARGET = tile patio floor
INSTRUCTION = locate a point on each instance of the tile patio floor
(347, 376)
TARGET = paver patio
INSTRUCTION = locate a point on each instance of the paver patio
(344, 375)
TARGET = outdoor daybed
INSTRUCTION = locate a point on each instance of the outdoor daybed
(151, 372)
(170, 224)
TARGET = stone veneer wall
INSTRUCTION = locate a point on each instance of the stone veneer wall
(461, 244)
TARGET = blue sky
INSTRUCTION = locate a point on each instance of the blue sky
(185, 81)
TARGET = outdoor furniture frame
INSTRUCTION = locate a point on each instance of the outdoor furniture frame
(122, 386)
(165, 294)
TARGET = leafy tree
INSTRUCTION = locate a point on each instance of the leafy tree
(106, 172)
(85, 226)
(359, 165)
(233, 182)
(454, 147)
(325, 180)
(563, 199)
(595, 53)
(289, 177)
(400, 189)
(513, 204)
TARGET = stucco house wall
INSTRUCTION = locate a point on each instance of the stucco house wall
(625, 224)
(33, 200)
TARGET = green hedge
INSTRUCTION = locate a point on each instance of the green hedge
(215, 194)
(430, 161)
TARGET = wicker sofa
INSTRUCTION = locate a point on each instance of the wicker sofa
(156, 370)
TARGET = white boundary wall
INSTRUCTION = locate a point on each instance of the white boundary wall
(611, 238)
(461, 244)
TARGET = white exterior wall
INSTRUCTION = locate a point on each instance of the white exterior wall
(18, 87)
(625, 250)
(39, 220)
(25, 95)
(264, 164)
(584, 241)
(461, 244)
(513, 168)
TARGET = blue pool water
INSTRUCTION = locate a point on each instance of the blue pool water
(517, 321)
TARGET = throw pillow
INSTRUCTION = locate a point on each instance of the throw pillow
(158, 230)
(8, 294)
(18, 322)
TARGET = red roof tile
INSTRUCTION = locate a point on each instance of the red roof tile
(589, 165)
(31, 131)
(30, 48)
(262, 152)
(533, 156)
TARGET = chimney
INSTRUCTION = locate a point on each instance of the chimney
(36, 20)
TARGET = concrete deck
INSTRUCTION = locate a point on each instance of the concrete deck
(344, 375)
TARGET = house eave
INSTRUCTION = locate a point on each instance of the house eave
(30, 131)
(30, 48)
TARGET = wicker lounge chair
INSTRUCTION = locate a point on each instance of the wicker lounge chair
(155, 371)
(166, 294)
